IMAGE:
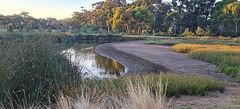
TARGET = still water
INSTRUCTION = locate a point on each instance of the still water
(92, 64)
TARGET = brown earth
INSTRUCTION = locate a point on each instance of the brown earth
(140, 58)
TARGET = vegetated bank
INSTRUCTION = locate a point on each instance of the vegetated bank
(221, 51)
(195, 40)
(227, 57)
(34, 72)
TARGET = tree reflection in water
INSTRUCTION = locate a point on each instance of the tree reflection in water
(92, 63)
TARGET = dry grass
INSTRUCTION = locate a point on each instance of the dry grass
(187, 48)
(138, 96)
(225, 56)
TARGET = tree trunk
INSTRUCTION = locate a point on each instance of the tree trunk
(180, 29)
(127, 29)
(175, 29)
(236, 27)
(139, 30)
(108, 29)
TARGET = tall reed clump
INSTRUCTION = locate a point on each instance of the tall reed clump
(138, 95)
(228, 57)
(137, 92)
(33, 70)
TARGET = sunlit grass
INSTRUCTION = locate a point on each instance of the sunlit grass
(176, 84)
(135, 92)
(188, 48)
(228, 57)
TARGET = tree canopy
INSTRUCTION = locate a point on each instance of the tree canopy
(142, 16)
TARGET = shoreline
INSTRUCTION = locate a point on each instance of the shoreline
(133, 64)
(139, 58)
(177, 63)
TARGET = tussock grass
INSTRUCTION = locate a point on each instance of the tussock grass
(177, 84)
(228, 57)
(137, 96)
(32, 69)
(135, 92)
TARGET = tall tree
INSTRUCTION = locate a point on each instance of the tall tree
(172, 19)
(220, 22)
(234, 9)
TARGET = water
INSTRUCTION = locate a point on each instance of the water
(92, 64)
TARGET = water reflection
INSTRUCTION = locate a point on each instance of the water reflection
(93, 64)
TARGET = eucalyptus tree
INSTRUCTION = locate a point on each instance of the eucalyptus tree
(194, 13)
(234, 10)
(221, 23)
(172, 20)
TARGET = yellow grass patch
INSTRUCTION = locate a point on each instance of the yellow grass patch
(187, 48)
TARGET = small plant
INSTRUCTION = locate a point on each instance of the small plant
(200, 31)
(161, 33)
(187, 33)
(170, 31)
(144, 32)
(40, 28)
(49, 30)
(29, 27)
(10, 27)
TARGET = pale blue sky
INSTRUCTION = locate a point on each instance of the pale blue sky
(45, 8)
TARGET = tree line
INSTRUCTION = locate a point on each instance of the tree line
(27, 23)
(154, 16)
(143, 17)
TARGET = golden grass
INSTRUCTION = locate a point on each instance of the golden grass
(138, 96)
(225, 56)
(187, 48)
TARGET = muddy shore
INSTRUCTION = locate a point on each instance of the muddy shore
(140, 58)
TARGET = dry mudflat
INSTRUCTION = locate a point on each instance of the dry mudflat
(140, 58)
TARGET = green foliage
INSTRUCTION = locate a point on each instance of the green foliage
(200, 31)
(29, 27)
(10, 27)
(118, 21)
(170, 31)
(40, 28)
(221, 23)
(169, 41)
(87, 28)
(144, 32)
(49, 30)
(32, 70)
(229, 62)
(176, 84)
(172, 18)
(234, 9)
(187, 32)
(224, 56)
(161, 33)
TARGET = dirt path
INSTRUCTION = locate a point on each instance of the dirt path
(141, 58)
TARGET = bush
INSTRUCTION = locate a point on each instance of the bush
(49, 29)
(170, 31)
(144, 32)
(10, 27)
(187, 33)
(34, 69)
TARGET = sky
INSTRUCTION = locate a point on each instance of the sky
(59, 9)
